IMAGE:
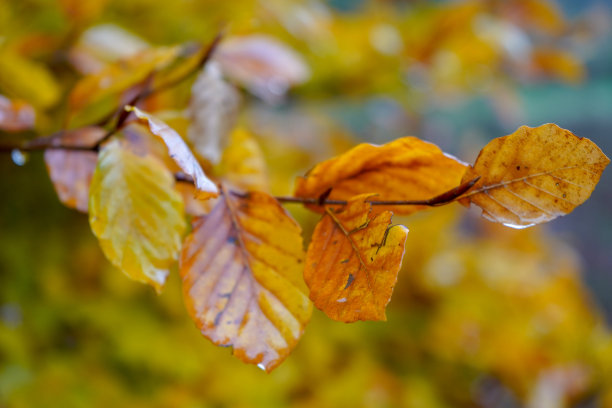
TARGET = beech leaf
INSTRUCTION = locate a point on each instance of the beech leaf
(534, 175)
(179, 152)
(136, 214)
(263, 65)
(404, 169)
(71, 170)
(242, 278)
(16, 115)
(242, 164)
(353, 261)
(213, 111)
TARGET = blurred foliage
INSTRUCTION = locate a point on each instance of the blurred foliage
(482, 316)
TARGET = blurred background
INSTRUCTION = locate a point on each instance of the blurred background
(482, 315)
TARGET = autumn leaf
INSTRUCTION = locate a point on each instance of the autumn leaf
(16, 115)
(71, 170)
(136, 214)
(96, 96)
(21, 78)
(263, 65)
(405, 169)
(534, 175)
(242, 278)
(179, 152)
(353, 261)
(213, 111)
(242, 164)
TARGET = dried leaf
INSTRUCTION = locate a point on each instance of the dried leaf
(136, 214)
(70, 170)
(353, 261)
(213, 111)
(534, 175)
(263, 65)
(179, 151)
(96, 96)
(242, 164)
(405, 169)
(16, 115)
(242, 278)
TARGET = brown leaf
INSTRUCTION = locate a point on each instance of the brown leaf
(16, 115)
(405, 169)
(534, 175)
(262, 64)
(242, 278)
(353, 261)
(213, 110)
(179, 152)
(71, 171)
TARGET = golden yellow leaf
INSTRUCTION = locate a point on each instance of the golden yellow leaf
(242, 164)
(136, 214)
(405, 169)
(534, 175)
(353, 260)
(71, 171)
(21, 78)
(242, 278)
(179, 152)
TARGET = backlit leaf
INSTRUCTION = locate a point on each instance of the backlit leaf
(16, 115)
(405, 169)
(353, 260)
(213, 111)
(534, 175)
(71, 170)
(242, 278)
(136, 214)
(242, 164)
(179, 152)
(263, 65)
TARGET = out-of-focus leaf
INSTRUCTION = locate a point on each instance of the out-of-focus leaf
(242, 278)
(21, 78)
(242, 164)
(534, 175)
(71, 171)
(353, 260)
(179, 151)
(136, 214)
(405, 169)
(263, 65)
(96, 96)
(213, 110)
(103, 44)
(16, 115)
(558, 63)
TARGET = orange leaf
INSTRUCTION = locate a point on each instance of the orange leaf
(179, 151)
(405, 169)
(242, 278)
(353, 261)
(71, 171)
(96, 96)
(534, 175)
(16, 115)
